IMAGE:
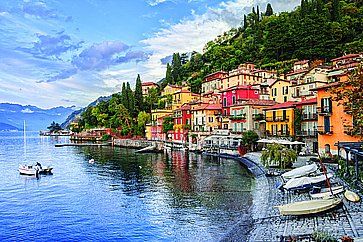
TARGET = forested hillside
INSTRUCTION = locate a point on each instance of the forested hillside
(318, 29)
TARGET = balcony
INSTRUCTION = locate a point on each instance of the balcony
(307, 133)
(325, 110)
(325, 130)
(258, 116)
(352, 131)
(309, 116)
(280, 133)
(277, 119)
(237, 117)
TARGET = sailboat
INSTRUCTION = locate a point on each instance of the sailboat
(32, 170)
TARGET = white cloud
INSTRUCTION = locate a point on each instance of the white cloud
(192, 34)
(156, 2)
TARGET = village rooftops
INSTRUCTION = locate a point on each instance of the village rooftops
(215, 75)
(239, 87)
(207, 106)
(307, 101)
(301, 62)
(285, 105)
(349, 56)
(291, 73)
(329, 85)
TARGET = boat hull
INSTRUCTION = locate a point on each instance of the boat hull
(335, 190)
(309, 207)
(351, 196)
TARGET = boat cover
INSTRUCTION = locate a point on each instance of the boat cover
(303, 181)
(300, 171)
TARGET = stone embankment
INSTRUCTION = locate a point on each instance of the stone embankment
(268, 225)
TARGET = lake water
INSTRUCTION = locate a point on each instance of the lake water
(123, 196)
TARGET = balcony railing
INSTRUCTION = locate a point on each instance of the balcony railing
(238, 117)
(277, 119)
(258, 116)
(309, 116)
(278, 133)
(307, 133)
(325, 110)
(325, 129)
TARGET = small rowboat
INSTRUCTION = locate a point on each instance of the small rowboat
(34, 170)
(327, 192)
(309, 207)
(351, 196)
(305, 182)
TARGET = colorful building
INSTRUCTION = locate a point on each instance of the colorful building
(182, 123)
(154, 128)
(146, 86)
(308, 131)
(206, 117)
(280, 91)
(213, 82)
(183, 96)
(334, 124)
(170, 89)
(280, 119)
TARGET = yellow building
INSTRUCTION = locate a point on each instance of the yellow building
(181, 97)
(206, 117)
(280, 119)
(154, 126)
(280, 91)
(170, 89)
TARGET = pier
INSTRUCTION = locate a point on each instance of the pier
(83, 144)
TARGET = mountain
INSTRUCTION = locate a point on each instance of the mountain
(36, 118)
(77, 113)
(8, 127)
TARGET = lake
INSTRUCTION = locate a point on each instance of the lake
(123, 196)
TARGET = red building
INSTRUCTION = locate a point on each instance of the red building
(234, 95)
(182, 123)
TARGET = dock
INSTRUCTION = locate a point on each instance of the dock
(83, 144)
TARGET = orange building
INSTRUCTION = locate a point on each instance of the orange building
(333, 122)
(146, 86)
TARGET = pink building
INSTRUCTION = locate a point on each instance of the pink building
(236, 94)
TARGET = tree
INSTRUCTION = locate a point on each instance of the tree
(258, 14)
(54, 127)
(269, 10)
(349, 94)
(142, 119)
(245, 22)
(139, 102)
(335, 10)
(249, 138)
(278, 155)
(168, 124)
(168, 75)
(176, 69)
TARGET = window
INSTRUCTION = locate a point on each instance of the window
(225, 126)
(234, 100)
(225, 102)
(210, 119)
(285, 99)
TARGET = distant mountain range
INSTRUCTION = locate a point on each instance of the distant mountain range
(12, 116)
(77, 113)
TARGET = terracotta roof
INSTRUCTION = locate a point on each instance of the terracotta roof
(346, 57)
(273, 83)
(308, 101)
(149, 84)
(259, 102)
(206, 106)
(296, 72)
(290, 104)
(333, 84)
(185, 106)
(249, 87)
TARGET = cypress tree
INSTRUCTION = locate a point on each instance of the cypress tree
(124, 95)
(303, 8)
(258, 14)
(176, 70)
(269, 10)
(245, 22)
(168, 76)
(130, 100)
(138, 95)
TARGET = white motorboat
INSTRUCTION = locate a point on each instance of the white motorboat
(300, 171)
(35, 170)
(328, 192)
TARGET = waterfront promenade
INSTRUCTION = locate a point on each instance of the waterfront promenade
(268, 225)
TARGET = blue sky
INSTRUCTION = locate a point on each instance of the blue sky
(66, 52)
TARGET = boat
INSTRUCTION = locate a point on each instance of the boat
(35, 170)
(309, 207)
(150, 148)
(326, 192)
(300, 171)
(351, 196)
(305, 182)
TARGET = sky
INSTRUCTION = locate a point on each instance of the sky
(66, 52)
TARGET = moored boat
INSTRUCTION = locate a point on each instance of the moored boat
(305, 182)
(309, 207)
(351, 196)
(327, 192)
(31, 170)
(300, 171)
